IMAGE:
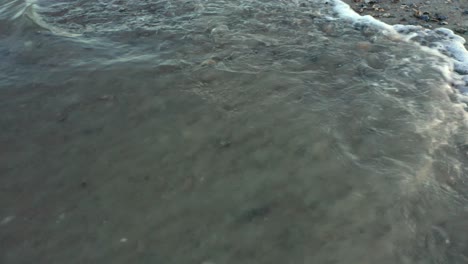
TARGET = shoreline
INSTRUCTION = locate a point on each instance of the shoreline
(451, 14)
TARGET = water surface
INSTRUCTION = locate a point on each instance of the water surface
(224, 132)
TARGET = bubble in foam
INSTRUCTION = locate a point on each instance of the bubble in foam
(345, 11)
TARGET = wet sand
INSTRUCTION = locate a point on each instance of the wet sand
(452, 14)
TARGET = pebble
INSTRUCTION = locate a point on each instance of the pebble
(123, 240)
(225, 143)
(84, 184)
(364, 46)
(106, 97)
(328, 28)
(441, 17)
(7, 220)
(60, 218)
(220, 29)
(28, 44)
(62, 117)
(425, 17)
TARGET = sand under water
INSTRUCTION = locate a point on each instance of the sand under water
(227, 132)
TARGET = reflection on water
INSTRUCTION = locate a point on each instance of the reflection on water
(223, 132)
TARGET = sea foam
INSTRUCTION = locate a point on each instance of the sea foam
(440, 41)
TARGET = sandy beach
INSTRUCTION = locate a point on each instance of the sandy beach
(452, 14)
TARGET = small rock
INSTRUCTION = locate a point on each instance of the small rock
(7, 220)
(443, 23)
(221, 29)
(123, 240)
(225, 143)
(62, 117)
(256, 213)
(60, 218)
(363, 45)
(441, 17)
(28, 44)
(84, 184)
(460, 30)
(424, 17)
(328, 28)
(106, 97)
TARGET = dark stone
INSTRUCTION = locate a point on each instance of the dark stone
(465, 12)
(460, 30)
(440, 17)
(255, 213)
(84, 184)
(62, 117)
(425, 18)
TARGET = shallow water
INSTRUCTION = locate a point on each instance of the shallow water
(224, 132)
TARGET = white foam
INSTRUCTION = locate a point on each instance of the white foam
(345, 11)
(441, 41)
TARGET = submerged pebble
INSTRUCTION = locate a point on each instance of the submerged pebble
(7, 220)
(364, 45)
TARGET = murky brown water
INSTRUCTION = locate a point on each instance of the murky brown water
(223, 132)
